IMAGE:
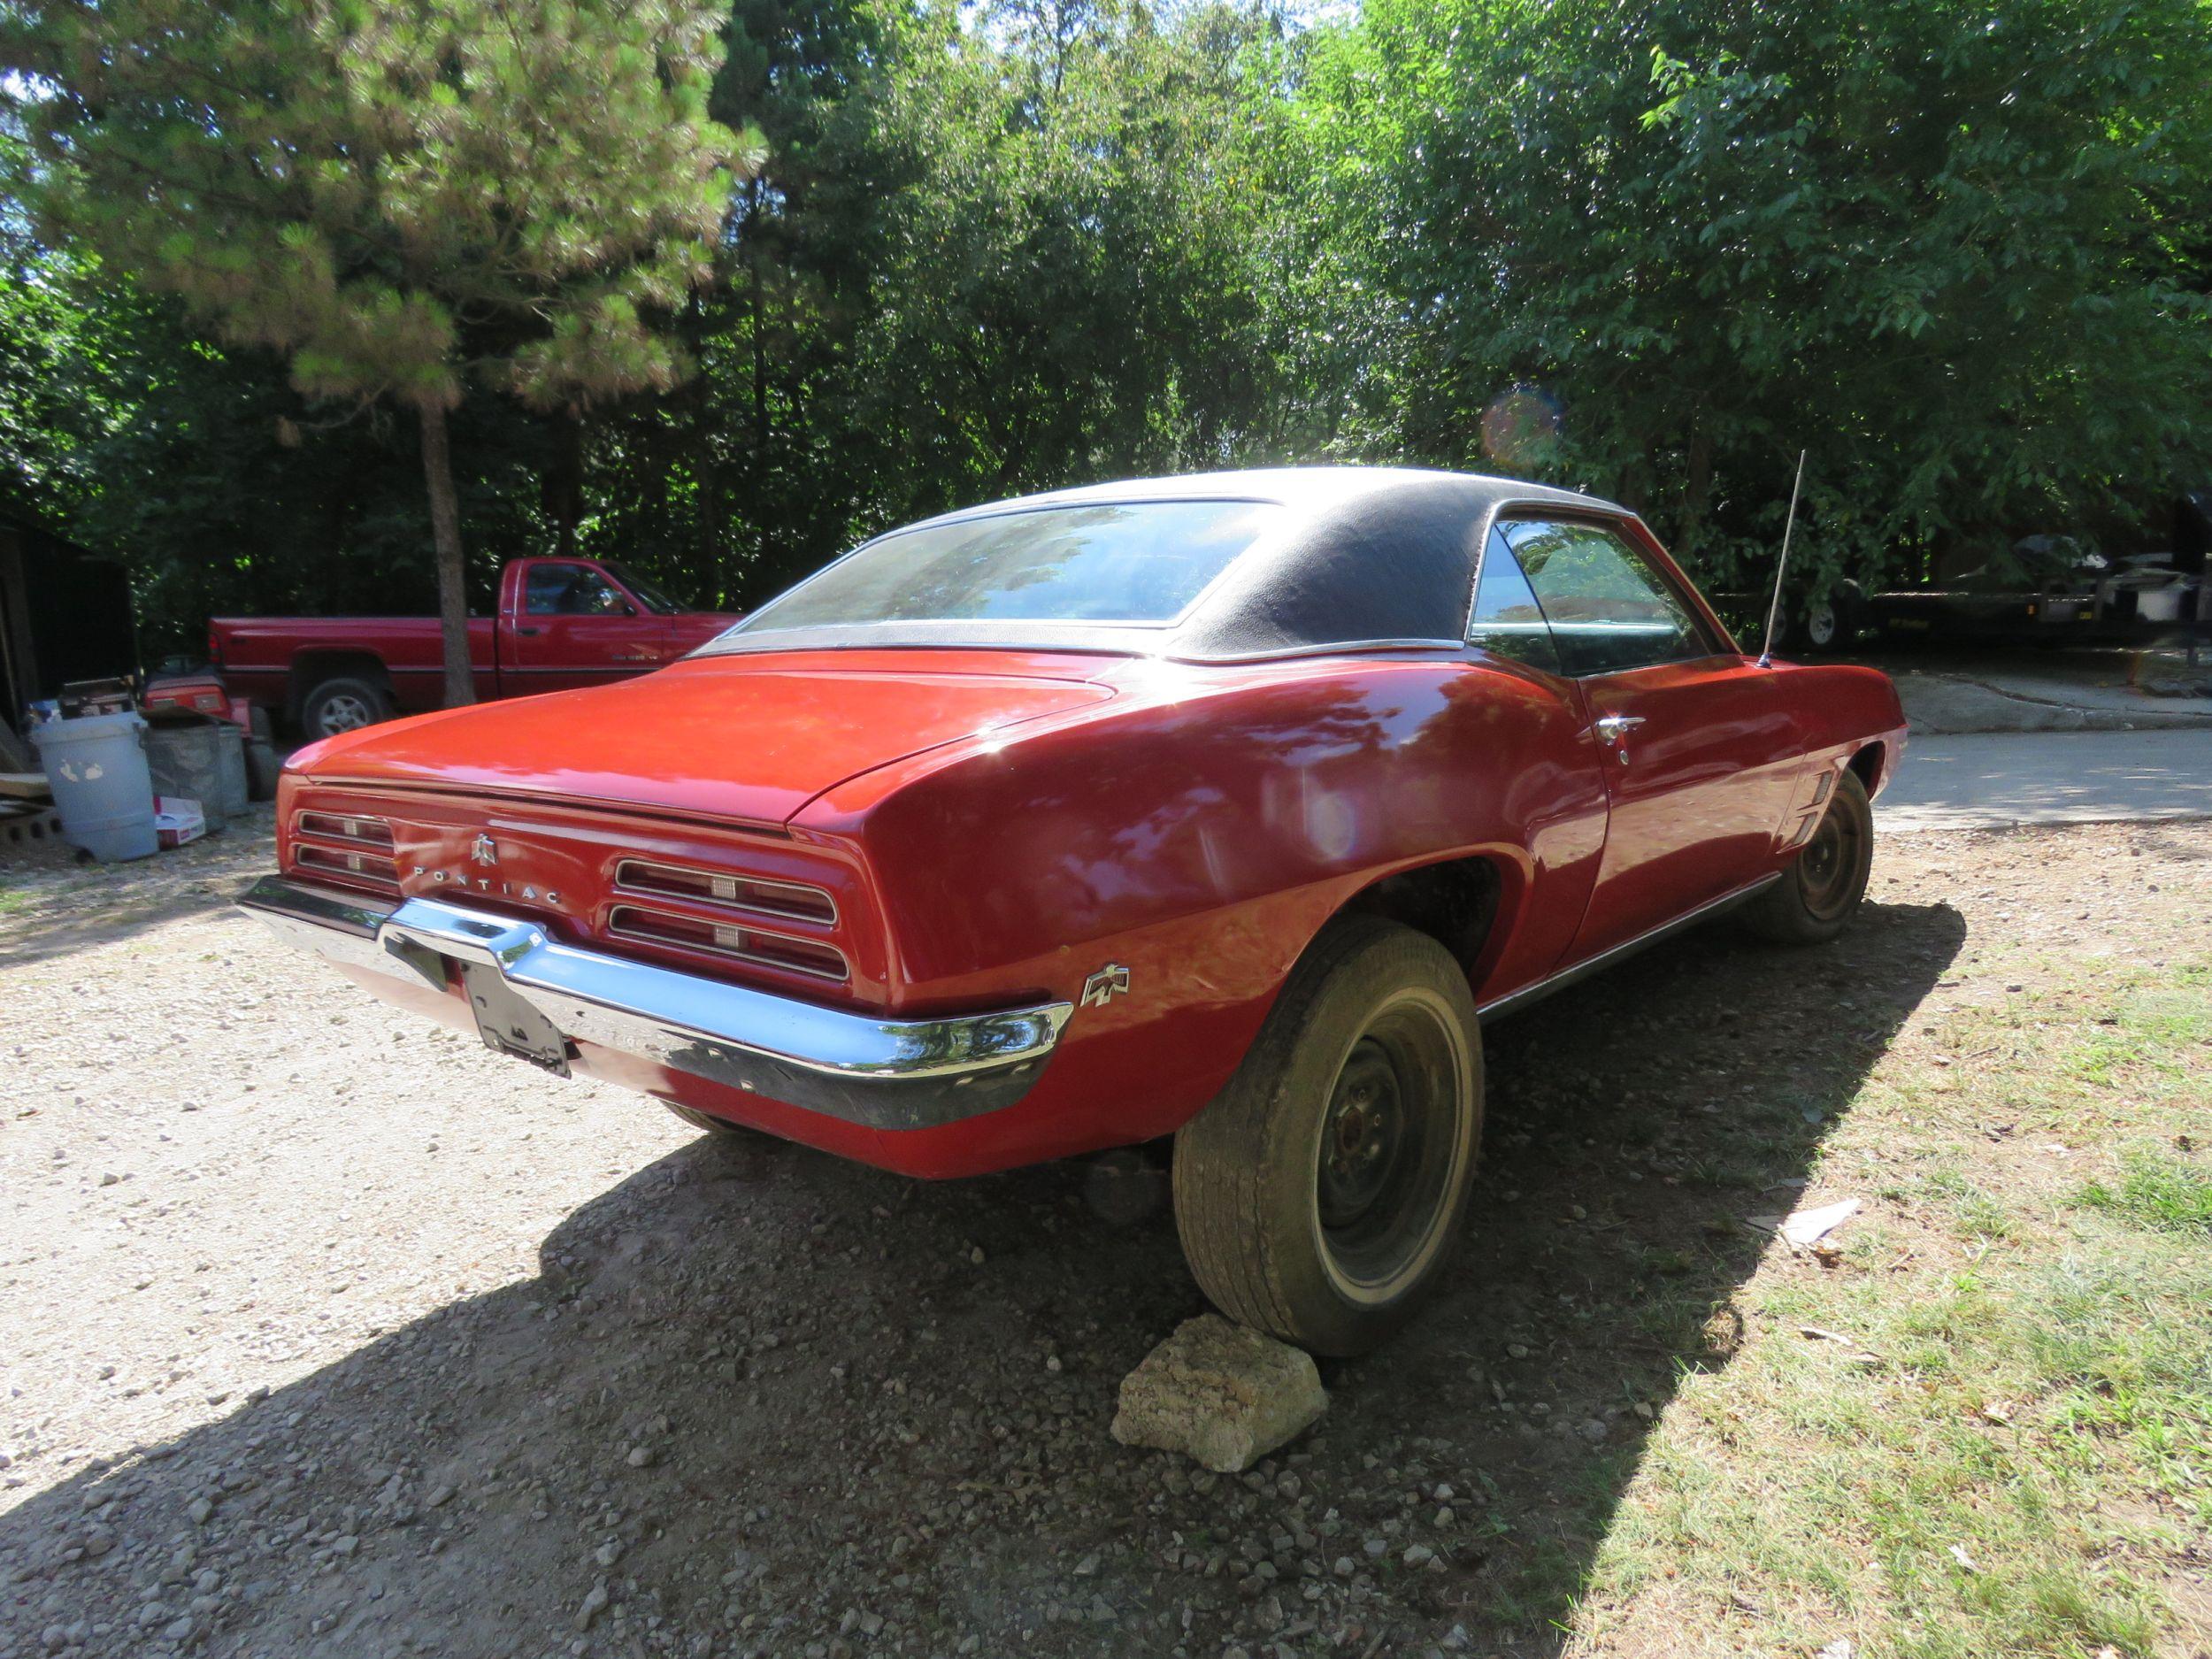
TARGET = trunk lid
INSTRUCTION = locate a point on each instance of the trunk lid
(745, 739)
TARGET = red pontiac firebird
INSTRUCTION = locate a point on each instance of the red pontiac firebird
(1225, 807)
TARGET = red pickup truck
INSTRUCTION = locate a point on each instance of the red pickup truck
(562, 624)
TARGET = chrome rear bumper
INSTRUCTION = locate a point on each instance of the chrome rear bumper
(885, 1073)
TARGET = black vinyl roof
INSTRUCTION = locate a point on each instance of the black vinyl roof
(1370, 555)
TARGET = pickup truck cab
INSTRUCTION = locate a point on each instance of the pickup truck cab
(562, 624)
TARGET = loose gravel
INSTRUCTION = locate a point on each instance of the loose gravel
(329, 1332)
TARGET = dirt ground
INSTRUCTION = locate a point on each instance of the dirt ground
(326, 1333)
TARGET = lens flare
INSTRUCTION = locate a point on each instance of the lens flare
(1521, 426)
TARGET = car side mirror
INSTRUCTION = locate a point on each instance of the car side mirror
(628, 609)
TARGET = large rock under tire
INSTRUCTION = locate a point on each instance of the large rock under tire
(1220, 1393)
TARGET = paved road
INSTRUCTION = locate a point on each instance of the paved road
(1998, 780)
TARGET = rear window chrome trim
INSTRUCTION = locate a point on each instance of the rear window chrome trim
(1334, 647)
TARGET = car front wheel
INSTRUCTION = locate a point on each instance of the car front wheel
(1318, 1195)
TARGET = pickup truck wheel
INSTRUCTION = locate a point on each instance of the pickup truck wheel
(343, 704)
(1317, 1196)
(714, 1125)
(1822, 887)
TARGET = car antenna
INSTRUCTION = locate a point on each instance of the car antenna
(1774, 609)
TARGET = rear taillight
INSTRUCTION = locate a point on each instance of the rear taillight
(760, 919)
(343, 847)
(789, 900)
(737, 940)
(350, 828)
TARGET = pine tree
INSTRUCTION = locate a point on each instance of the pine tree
(408, 197)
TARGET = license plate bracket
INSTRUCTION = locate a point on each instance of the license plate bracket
(511, 1025)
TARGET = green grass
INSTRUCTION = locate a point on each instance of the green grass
(2158, 1191)
(2026, 1380)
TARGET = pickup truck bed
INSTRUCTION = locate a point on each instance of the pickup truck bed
(560, 623)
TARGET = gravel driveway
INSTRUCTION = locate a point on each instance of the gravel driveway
(327, 1332)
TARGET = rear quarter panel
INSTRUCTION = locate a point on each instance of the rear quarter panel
(1199, 831)
(1846, 708)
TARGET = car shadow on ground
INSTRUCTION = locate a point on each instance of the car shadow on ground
(760, 1401)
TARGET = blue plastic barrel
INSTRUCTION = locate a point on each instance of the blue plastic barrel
(102, 788)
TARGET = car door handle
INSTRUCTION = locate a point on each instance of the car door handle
(1613, 730)
(530, 633)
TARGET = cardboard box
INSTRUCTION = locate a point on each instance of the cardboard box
(178, 819)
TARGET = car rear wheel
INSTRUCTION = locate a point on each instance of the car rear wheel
(1819, 892)
(715, 1125)
(1319, 1194)
(343, 704)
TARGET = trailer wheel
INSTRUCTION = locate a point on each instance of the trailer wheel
(343, 704)
(1831, 622)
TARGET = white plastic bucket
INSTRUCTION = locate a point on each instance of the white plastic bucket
(102, 788)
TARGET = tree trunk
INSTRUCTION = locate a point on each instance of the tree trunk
(445, 536)
(562, 490)
(1697, 496)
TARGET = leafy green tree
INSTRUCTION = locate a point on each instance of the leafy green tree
(1946, 247)
(59, 392)
(404, 198)
(1649, 246)
(989, 250)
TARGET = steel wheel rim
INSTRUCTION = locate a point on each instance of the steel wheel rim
(344, 712)
(1393, 1147)
(1820, 625)
(1829, 864)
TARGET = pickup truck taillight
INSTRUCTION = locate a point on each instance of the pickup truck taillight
(214, 647)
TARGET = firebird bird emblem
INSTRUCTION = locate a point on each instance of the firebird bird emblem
(484, 850)
(1109, 982)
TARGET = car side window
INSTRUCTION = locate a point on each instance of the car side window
(1506, 620)
(569, 590)
(1609, 608)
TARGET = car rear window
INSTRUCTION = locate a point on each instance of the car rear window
(1119, 562)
